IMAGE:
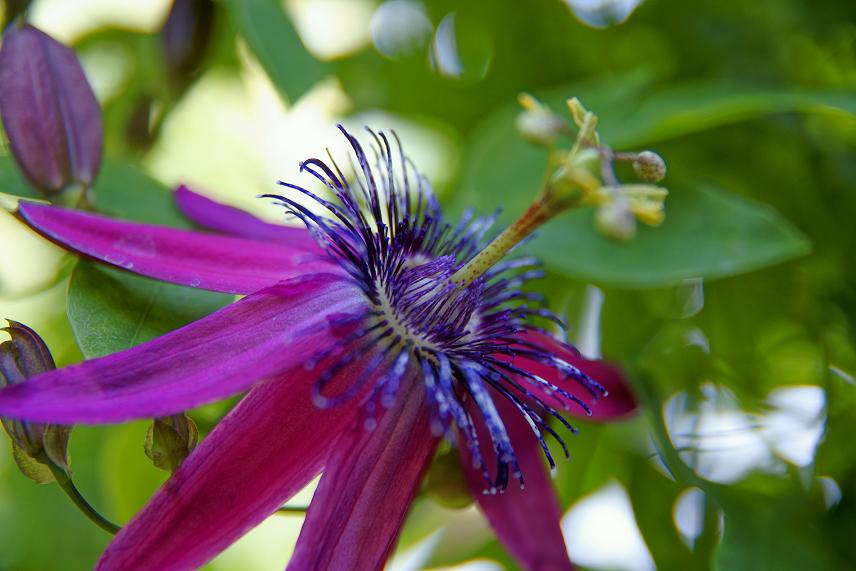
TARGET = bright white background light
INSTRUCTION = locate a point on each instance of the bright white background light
(601, 532)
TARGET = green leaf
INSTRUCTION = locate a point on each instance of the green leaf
(633, 114)
(776, 533)
(111, 311)
(279, 49)
(653, 496)
(836, 456)
(689, 108)
(771, 522)
(125, 191)
(707, 233)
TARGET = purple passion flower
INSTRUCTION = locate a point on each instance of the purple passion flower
(360, 350)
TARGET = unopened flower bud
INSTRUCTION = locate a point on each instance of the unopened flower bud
(446, 483)
(49, 111)
(588, 160)
(649, 167)
(170, 440)
(185, 37)
(34, 445)
(536, 123)
(576, 178)
(615, 220)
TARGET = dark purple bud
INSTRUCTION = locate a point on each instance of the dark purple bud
(138, 130)
(185, 37)
(15, 8)
(49, 111)
(34, 445)
(170, 440)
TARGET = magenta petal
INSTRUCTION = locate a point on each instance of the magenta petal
(196, 259)
(255, 338)
(525, 520)
(270, 446)
(222, 218)
(366, 489)
(620, 401)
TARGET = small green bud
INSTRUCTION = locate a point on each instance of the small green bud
(34, 445)
(649, 166)
(446, 483)
(170, 440)
(574, 180)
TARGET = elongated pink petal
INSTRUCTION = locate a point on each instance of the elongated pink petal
(196, 259)
(255, 338)
(270, 446)
(620, 402)
(525, 520)
(366, 489)
(229, 220)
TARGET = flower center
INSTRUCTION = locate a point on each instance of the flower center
(443, 307)
(424, 307)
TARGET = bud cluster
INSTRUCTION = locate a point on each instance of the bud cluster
(584, 175)
(581, 176)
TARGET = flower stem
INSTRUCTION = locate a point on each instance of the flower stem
(292, 510)
(75, 496)
(534, 216)
(670, 457)
(90, 512)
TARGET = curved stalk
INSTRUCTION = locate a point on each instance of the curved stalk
(77, 498)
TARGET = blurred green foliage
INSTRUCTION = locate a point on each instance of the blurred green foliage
(749, 284)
